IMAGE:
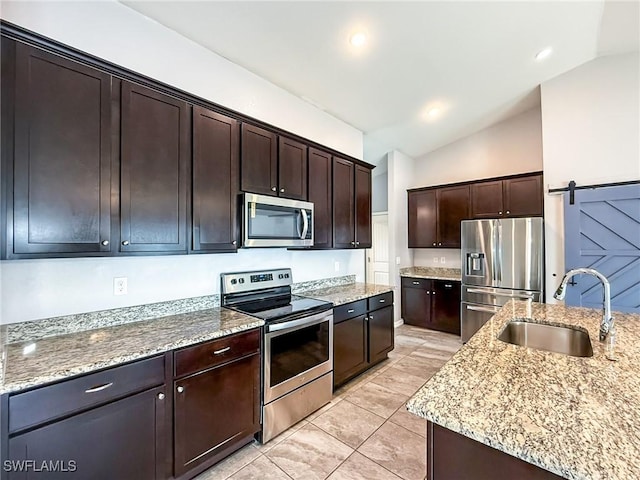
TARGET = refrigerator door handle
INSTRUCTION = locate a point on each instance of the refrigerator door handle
(482, 309)
(500, 252)
(497, 294)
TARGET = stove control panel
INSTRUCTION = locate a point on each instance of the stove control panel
(248, 281)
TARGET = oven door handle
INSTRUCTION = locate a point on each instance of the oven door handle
(298, 323)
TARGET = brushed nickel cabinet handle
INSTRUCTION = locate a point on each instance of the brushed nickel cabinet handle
(381, 301)
(180, 389)
(222, 350)
(351, 310)
(447, 285)
(416, 283)
(282, 190)
(105, 242)
(161, 396)
(370, 317)
(273, 189)
(125, 242)
(234, 242)
(98, 388)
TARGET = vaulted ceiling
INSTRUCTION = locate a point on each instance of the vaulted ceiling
(472, 61)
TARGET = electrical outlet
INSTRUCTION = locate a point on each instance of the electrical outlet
(443, 259)
(336, 266)
(120, 286)
(435, 259)
(397, 260)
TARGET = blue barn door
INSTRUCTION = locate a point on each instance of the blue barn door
(602, 231)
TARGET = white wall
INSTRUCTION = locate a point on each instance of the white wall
(433, 257)
(591, 134)
(507, 148)
(400, 173)
(32, 289)
(380, 192)
(114, 32)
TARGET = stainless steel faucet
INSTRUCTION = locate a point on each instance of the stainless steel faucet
(607, 320)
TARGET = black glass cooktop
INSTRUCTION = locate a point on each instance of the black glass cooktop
(283, 308)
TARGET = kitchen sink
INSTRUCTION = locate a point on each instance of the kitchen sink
(565, 340)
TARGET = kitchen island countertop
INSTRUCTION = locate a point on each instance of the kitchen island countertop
(36, 362)
(576, 417)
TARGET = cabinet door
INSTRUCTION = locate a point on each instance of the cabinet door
(486, 199)
(349, 349)
(214, 408)
(453, 207)
(62, 154)
(422, 219)
(416, 306)
(259, 161)
(445, 308)
(363, 207)
(215, 181)
(155, 162)
(343, 204)
(320, 196)
(123, 440)
(292, 169)
(523, 196)
(380, 333)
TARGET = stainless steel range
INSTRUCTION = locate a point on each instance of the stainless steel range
(297, 361)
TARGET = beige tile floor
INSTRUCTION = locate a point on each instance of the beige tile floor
(364, 433)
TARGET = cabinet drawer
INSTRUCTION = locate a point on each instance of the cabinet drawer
(209, 354)
(380, 301)
(47, 403)
(408, 282)
(349, 310)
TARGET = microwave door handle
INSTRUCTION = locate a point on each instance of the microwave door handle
(305, 220)
(298, 224)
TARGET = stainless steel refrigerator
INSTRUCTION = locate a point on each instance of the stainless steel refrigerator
(502, 259)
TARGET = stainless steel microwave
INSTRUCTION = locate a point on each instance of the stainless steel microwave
(276, 222)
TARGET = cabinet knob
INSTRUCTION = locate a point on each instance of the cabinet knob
(353, 243)
(499, 213)
(357, 243)
(282, 190)
(234, 242)
(161, 396)
(125, 242)
(428, 292)
(105, 242)
(439, 243)
(434, 244)
(370, 317)
(508, 212)
(433, 293)
(180, 389)
(273, 189)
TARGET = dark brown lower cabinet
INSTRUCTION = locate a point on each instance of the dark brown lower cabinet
(216, 411)
(433, 304)
(124, 439)
(451, 456)
(363, 335)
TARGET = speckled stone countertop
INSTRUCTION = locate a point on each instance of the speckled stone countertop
(342, 294)
(36, 362)
(576, 417)
(434, 273)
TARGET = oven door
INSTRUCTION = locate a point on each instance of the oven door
(297, 352)
(276, 222)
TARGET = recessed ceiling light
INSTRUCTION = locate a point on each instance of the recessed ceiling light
(433, 112)
(542, 54)
(358, 39)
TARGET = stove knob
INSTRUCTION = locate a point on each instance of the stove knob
(281, 276)
(286, 275)
(241, 280)
(233, 281)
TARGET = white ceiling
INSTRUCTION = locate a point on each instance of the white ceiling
(473, 60)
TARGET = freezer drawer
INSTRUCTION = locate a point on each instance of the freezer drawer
(496, 296)
(473, 317)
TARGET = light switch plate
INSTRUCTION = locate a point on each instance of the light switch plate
(443, 259)
(435, 259)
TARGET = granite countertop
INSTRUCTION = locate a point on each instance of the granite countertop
(342, 294)
(434, 273)
(35, 362)
(576, 417)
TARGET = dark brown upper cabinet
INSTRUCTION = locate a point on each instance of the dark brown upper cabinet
(519, 196)
(351, 205)
(343, 204)
(156, 153)
(292, 169)
(435, 215)
(56, 143)
(215, 181)
(319, 191)
(259, 161)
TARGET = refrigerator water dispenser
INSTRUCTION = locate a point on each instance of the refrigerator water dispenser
(475, 264)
